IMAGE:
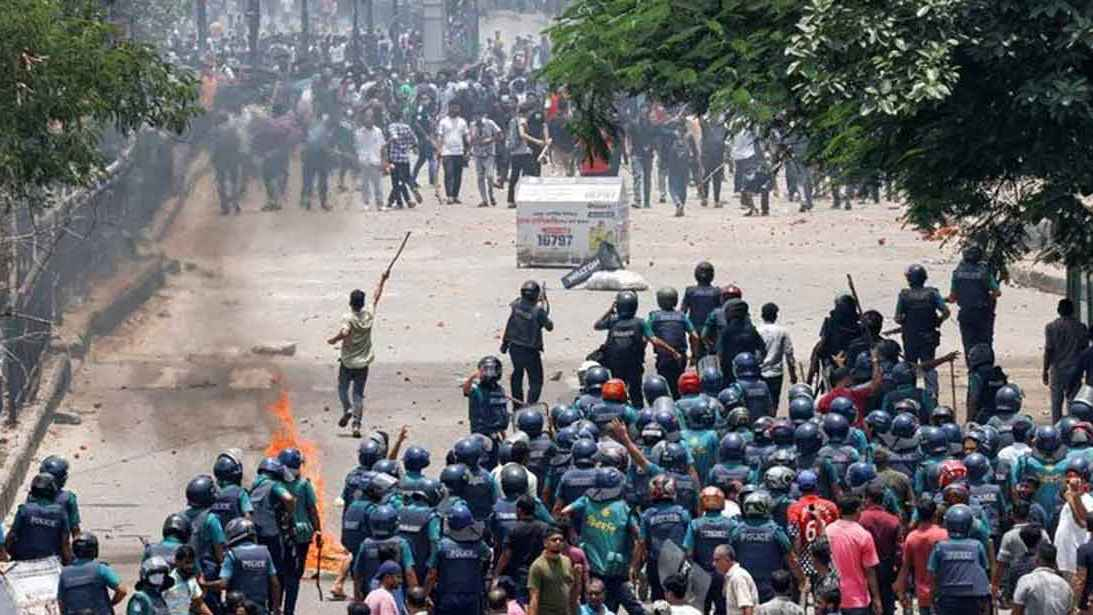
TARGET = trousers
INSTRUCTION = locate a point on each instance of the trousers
(617, 590)
(976, 327)
(293, 574)
(354, 378)
(453, 175)
(671, 370)
(527, 360)
(485, 169)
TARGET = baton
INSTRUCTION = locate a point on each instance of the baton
(318, 570)
(865, 330)
(401, 247)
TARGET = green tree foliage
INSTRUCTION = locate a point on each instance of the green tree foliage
(65, 81)
(981, 111)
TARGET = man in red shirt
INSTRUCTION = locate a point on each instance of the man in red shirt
(886, 531)
(855, 557)
(843, 386)
(916, 553)
(808, 516)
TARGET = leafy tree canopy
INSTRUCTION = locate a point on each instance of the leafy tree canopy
(66, 81)
(981, 111)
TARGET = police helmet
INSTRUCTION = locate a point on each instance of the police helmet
(757, 505)
(662, 487)
(1022, 428)
(951, 471)
(654, 386)
(934, 441)
(468, 451)
(669, 422)
(459, 517)
(415, 459)
(711, 498)
(240, 529)
(1081, 410)
(916, 275)
(942, 415)
(808, 481)
(732, 291)
(862, 370)
(585, 452)
(836, 427)
(779, 478)
(700, 416)
(455, 478)
(800, 390)
(732, 449)
(383, 521)
(514, 480)
(845, 407)
(85, 546)
(292, 459)
(674, 457)
(530, 290)
(626, 304)
(801, 409)
(745, 365)
(712, 380)
(1081, 436)
(587, 429)
(785, 457)
(903, 374)
(368, 453)
(566, 418)
(973, 254)
(667, 298)
(388, 467)
(958, 520)
(565, 438)
(781, 433)
(614, 390)
(704, 273)
(954, 436)
(977, 466)
(730, 397)
(689, 383)
(227, 468)
(905, 425)
(879, 421)
(860, 474)
(808, 439)
(595, 378)
(178, 527)
(489, 369)
(760, 430)
(433, 490)
(57, 466)
(155, 574)
(201, 491)
(1007, 400)
(530, 422)
(1078, 465)
(1065, 426)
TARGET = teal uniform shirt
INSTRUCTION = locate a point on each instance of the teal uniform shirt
(72, 509)
(213, 531)
(606, 535)
(703, 444)
(106, 574)
(1051, 474)
(244, 498)
(304, 492)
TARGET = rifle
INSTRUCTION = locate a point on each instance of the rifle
(543, 298)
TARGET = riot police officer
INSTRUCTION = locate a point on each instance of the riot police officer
(920, 310)
(307, 526)
(414, 460)
(248, 567)
(176, 532)
(838, 450)
(729, 332)
(481, 490)
(612, 407)
(488, 405)
(704, 535)
(415, 520)
(155, 578)
(206, 533)
(664, 520)
(86, 584)
(458, 566)
(58, 467)
(675, 328)
(731, 464)
(232, 500)
(985, 379)
(523, 340)
(383, 543)
(624, 350)
(959, 566)
(761, 545)
(579, 479)
(756, 393)
(40, 528)
(274, 506)
(541, 448)
(701, 300)
(975, 290)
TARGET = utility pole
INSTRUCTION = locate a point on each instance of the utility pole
(254, 16)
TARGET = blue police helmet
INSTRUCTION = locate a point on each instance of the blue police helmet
(584, 452)
(567, 417)
(272, 468)
(700, 416)
(1023, 427)
(903, 374)
(782, 432)
(667, 421)
(760, 430)
(368, 453)
(955, 437)
(468, 451)
(807, 481)
(958, 520)
(645, 416)
(609, 478)
(565, 438)
(588, 429)
(801, 410)
(455, 478)
(415, 459)
(808, 438)
(845, 407)
(1008, 399)
(460, 517)
(654, 386)
(745, 365)
(1065, 427)
(433, 490)
(200, 492)
(934, 441)
(836, 427)
(730, 397)
(1079, 465)
(1082, 410)
(860, 474)
(1047, 439)
(904, 425)
(386, 466)
(674, 457)
(879, 421)
(800, 390)
(293, 460)
(712, 380)
(732, 448)
(530, 422)
(978, 466)
(57, 466)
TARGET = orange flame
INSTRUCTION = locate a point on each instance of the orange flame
(286, 435)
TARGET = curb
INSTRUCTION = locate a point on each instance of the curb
(22, 439)
(1043, 282)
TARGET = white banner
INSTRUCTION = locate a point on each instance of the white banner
(561, 221)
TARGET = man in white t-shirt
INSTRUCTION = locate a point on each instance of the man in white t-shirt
(741, 595)
(453, 133)
(370, 152)
(675, 590)
(1069, 535)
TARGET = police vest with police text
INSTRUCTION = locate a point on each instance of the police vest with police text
(82, 589)
(250, 574)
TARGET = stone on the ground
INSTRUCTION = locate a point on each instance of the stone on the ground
(286, 349)
(616, 281)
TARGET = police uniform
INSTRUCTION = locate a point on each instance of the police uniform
(523, 339)
(761, 547)
(662, 522)
(673, 327)
(248, 568)
(83, 586)
(460, 581)
(624, 352)
(704, 535)
(972, 283)
(917, 311)
(698, 303)
(414, 523)
(39, 530)
(959, 568)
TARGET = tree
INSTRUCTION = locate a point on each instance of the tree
(67, 81)
(977, 110)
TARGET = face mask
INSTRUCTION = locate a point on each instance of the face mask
(156, 579)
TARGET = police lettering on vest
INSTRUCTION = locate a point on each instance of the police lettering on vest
(459, 568)
(920, 317)
(670, 326)
(413, 524)
(625, 343)
(709, 532)
(227, 505)
(368, 558)
(82, 589)
(355, 526)
(757, 550)
(668, 523)
(504, 519)
(40, 531)
(250, 574)
(959, 572)
(575, 483)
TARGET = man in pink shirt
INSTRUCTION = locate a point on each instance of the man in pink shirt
(855, 558)
(381, 601)
(916, 554)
